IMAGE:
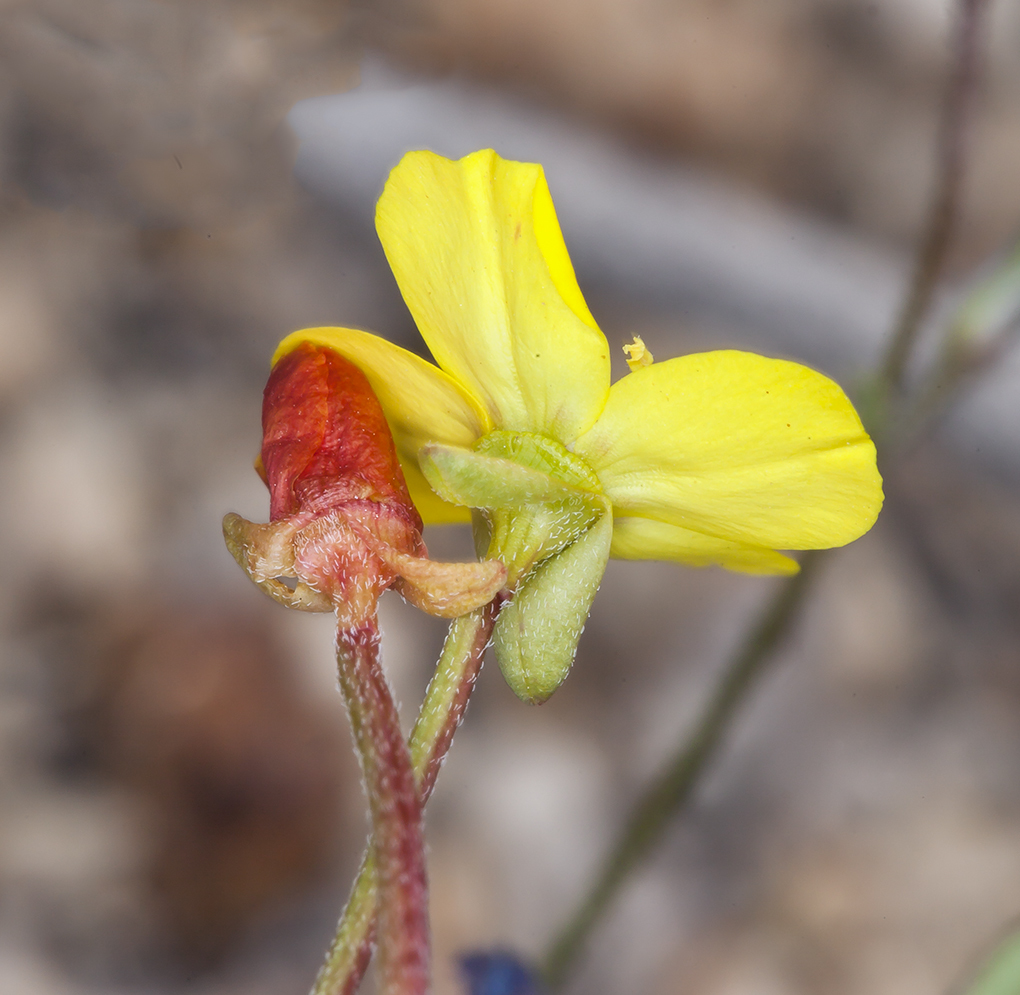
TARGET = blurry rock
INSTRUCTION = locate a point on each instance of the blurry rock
(153, 244)
(152, 237)
(713, 78)
(165, 113)
(826, 102)
(239, 769)
(145, 178)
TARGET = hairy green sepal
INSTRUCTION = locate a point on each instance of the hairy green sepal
(537, 631)
(541, 511)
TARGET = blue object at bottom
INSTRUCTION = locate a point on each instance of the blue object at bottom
(497, 972)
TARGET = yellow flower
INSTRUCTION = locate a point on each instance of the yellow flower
(714, 458)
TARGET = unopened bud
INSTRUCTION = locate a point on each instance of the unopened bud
(342, 528)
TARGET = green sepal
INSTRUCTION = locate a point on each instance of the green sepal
(477, 480)
(537, 631)
(540, 510)
(525, 536)
(539, 452)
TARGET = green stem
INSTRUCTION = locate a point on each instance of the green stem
(673, 787)
(441, 712)
(944, 208)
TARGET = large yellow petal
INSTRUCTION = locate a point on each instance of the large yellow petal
(421, 403)
(478, 254)
(647, 539)
(753, 450)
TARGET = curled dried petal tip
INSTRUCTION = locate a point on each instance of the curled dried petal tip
(264, 554)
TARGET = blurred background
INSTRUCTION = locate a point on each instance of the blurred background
(181, 184)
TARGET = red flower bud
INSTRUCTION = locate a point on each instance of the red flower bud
(342, 525)
(324, 437)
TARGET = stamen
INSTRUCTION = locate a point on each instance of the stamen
(637, 354)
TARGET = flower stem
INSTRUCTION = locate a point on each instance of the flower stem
(672, 789)
(944, 208)
(396, 813)
(441, 713)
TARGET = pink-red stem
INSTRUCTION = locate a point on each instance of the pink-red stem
(441, 713)
(403, 929)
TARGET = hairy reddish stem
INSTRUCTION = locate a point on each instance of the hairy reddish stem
(396, 814)
(441, 713)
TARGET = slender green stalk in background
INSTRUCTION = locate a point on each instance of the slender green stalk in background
(944, 206)
(979, 332)
(668, 794)
(672, 788)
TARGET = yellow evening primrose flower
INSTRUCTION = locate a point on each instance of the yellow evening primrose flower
(715, 458)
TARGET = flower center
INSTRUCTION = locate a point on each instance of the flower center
(525, 533)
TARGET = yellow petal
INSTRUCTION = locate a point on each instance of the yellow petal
(421, 403)
(646, 539)
(432, 508)
(758, 451)
(478, 254)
